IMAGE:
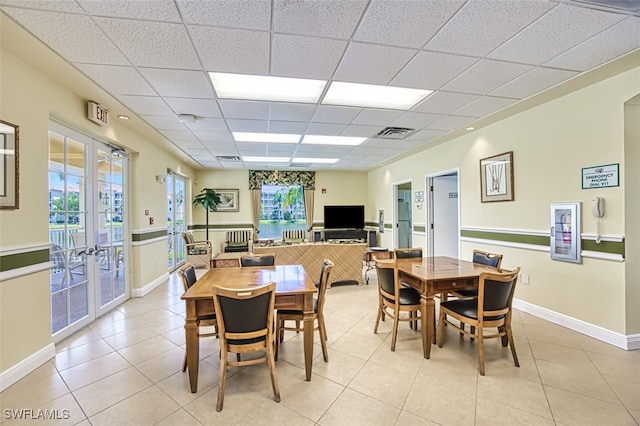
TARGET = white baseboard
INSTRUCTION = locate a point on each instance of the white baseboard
(139, 292)
(26, 366)
(631, 342)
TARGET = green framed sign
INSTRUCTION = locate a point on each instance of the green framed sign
(601, 176)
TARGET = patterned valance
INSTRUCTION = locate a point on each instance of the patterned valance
(274, 177)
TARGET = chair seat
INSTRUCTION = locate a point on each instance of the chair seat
(294, 312)
(236, 249)
(207, 317)
(467, 308)
(408, 296)
(467, 292)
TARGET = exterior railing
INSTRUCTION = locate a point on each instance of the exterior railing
(56, 236)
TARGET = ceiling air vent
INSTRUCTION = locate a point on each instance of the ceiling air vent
(227, 158)
(394, 133)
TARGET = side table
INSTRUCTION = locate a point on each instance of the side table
(370, 255)
(226, 260)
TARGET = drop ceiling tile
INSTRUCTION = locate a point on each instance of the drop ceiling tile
(236, 125)
(117, 79)
(609, 44)
(280, 149)
(156, 10)
(232, 50)
(376, 117)
(161, 122)
(557, 31)
(426, 135)
(536, 80)
(254, 110)
(411, 25)
(52, 5)
(381, 63)
(290, 127)
(248, 14)
(335, 114)
(451, 122)
(197, 107)
(252, 149)
(484, 106)
(178, 83)
(198, 153)
(283, 111)
(481, 26)
(179, 135)
(91, 48)
(328, 18)
(206, 136)
(325, 129)
(208, 124)
(415, 120)
(209, 164)
(444, 102)
(360, 130)
(187, 145)
(305, 57)
(145, 105)
(140, 42)
(432, 70)
(485, 76)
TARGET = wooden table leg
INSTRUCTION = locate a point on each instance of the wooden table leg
(308, 345)
(427, 309)
(192, 345)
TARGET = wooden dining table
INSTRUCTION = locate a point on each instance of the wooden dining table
(294, 290)
(431, 276)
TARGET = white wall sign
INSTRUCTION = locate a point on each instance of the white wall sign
(601, 176)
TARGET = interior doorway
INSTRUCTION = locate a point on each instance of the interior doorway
(443, 224)
(403, 214)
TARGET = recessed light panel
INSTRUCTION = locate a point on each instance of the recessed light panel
(266, 137)
(373, 96)
(266, 88)
(266, 159)
(332, 140)
(315, 160)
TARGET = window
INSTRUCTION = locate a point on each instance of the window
(281, 208)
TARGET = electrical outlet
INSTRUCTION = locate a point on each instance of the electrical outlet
(524, 279)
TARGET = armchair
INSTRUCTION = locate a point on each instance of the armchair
(294, 235)
(237, 241)
(198, 253)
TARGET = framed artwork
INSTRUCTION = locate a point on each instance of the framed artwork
(9, 165)
(496, 178)
(229, 200)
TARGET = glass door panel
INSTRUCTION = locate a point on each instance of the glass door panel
(176, 214)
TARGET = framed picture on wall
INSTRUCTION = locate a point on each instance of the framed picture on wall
(496, 178)
(9, 165)
(229, 200)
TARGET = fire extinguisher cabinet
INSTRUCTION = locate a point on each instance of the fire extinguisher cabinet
(565, 232)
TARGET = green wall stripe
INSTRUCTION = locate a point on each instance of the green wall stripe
(419, 228)
(221, 226)
(611, 247)
(148, 235)
(20, 260)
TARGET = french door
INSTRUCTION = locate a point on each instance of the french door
(87, 222)
(176, 213)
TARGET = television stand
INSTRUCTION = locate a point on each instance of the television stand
(345, 234)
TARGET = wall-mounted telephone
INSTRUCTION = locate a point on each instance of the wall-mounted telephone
(597, 207)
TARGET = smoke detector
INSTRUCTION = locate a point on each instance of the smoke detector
(395, 133)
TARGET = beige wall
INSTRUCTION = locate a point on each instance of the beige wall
(632, 210)
(551, 144)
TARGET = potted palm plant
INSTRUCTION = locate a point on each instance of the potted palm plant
(209, 199)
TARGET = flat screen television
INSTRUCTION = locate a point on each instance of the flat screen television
(343, 217)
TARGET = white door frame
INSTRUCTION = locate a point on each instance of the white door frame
(394, 203)
(430, 209)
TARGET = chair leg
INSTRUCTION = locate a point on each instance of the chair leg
(272, 373)
(480, 351)
(184, 364)
(394, 332)
(223, 378)
(380, 315)
(441, 325)
(323, 339)
(513, 347)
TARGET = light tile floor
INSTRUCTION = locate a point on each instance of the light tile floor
(126, 369)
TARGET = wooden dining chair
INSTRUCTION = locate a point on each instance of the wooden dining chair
(395, 299)
(480, 257)
(245, 324)
(408, 252)
(257, 260)
(188, 274)
(297, 316)
(492, 308)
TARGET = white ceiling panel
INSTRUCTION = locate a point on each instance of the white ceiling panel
(75, 46)
(485, 76)
(231, 50)
(139, 41)
(118, 79)
(481, 26)
(478, 56)
(609, 44)
(432, 70)
(178, 83)
(381, 62)
(557, 31)
(248, 14)
(532, 82)
(306, 57)
(411, 25)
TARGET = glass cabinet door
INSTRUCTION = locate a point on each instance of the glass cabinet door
(565, 232)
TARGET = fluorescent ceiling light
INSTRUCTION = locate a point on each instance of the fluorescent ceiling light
(333, 140)
(266, 137)
(372, 96)
(266, 159)
(315, 160)
(265, 88)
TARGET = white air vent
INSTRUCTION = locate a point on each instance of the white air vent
(227, 158)
(394, 133)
